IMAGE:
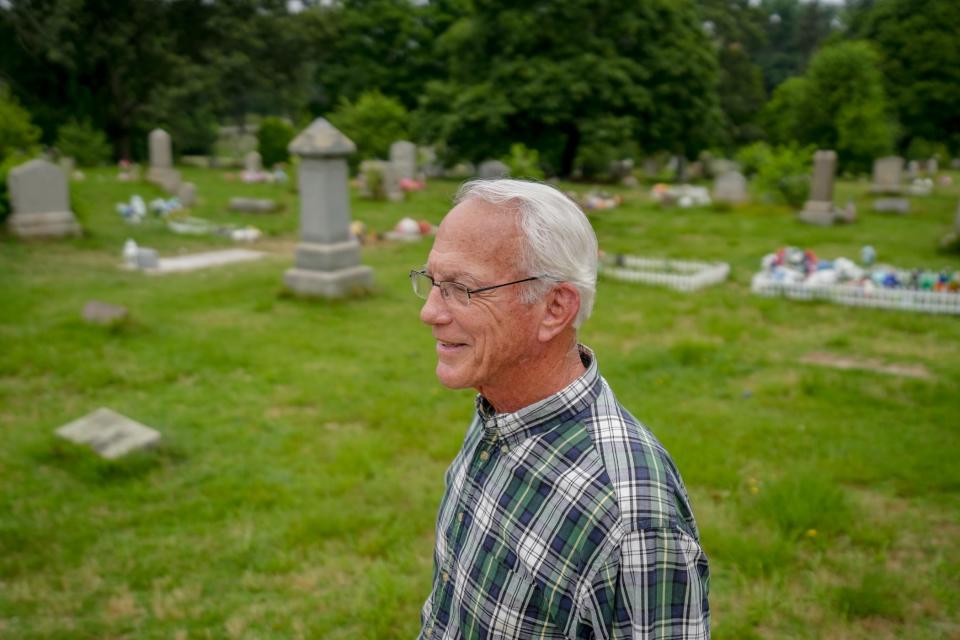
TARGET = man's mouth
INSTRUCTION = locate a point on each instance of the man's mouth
(443, 346)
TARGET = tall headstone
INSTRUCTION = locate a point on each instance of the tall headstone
(819, 208)
(328, 257)
(252, 162)
(161, 170)
(887, 175)
(403, 158)
(40, 200)
(493, 169)
(730, 187)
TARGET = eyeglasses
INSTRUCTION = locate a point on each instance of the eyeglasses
(423, 283)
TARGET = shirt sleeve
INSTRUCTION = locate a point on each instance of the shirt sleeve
(654, 585)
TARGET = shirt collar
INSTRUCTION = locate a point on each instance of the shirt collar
(543, 414)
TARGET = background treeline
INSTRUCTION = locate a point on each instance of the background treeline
(582, 82)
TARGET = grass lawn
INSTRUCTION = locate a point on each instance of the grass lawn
(305, 441)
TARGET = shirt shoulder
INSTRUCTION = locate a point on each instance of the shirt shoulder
(647, 487)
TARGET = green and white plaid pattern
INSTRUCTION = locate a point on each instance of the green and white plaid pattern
(566, 519)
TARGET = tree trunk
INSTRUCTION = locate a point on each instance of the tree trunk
(570, 148)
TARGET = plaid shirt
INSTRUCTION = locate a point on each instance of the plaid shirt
(566, 519)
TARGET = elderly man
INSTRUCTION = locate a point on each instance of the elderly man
(563, 516)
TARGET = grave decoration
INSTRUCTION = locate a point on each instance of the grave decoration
(920, 187)
(800, 275)
(682, 275)
(410, 230)
(193, 226)
(411, 184)
(682, 195)
(596, 200)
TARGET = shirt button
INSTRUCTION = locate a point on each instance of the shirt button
(445, 577)
(484, 456)
(504, 449)
(428, 631)
(460, 517)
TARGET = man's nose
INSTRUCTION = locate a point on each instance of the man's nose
(434, 310)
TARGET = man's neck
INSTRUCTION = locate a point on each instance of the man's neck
(543, 376)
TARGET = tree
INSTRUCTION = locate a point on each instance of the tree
(838, 104)
(553, 72)
(373, 122)
(794, 31)
(920, 60)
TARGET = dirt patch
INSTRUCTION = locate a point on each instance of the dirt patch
(834, 361)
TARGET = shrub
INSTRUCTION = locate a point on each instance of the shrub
(524, 162)
(272, 140)
(782, 172)
(82, 142)
(373, 122)
(18, 142)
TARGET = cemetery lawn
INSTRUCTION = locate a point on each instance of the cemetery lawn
(305, 441)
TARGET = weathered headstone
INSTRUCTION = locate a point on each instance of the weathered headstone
(730, 187)
(105, 313)
(252, 162)
(161, 170)
(913, 169)
(819, 208)
(328, 257)
(109, 433)
(892, 205)
(252, 205)
(403, 159)
(187, 194)
(933, 166)
(429, 165)
(67, 165)
(379, 179)
(40, 200)
(887, 175)
(493, 169)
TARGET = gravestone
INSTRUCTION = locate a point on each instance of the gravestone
(819, 209)
(68, 165)
(187, 194)
(933, 166)
(913, 169)
(97, 312)
(730, 187)
(161, 170)
(887, 175)
(328, 256)
(403, 159)
(427, 158)
(493, 169)
(40, 200)
(109, 434)
(252, 205)
(892, 205)
(252, 162)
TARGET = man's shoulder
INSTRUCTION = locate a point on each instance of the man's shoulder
(646, 485)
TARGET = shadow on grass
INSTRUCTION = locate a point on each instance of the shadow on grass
(85, 465)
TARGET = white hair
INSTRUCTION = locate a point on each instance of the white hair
(559, 242)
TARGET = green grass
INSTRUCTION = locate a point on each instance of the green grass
(305, 441)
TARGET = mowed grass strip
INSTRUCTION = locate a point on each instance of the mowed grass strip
(305, 441)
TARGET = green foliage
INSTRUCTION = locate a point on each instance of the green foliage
(18, 142)
(374, 122)
(523, 162)
(838, 104)
(782, 172)
(17, 132)
(86, 145)
(552, 76)
(876, 595)
(919, 58)
(273, 138)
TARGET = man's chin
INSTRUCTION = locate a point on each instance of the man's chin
(451, 379)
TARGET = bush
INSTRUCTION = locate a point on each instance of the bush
(273, 138)
(83, 143)
(524, 162)
(782, 172)
(373, 122)
(18, 142)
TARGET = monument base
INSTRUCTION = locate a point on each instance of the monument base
(819, 213)
(329, 284)
(313, 256)
(166, 179)
(52, 224)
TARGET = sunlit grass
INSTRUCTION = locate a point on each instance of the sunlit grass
(305, 441)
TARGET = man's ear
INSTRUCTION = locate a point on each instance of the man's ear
(562, 305)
